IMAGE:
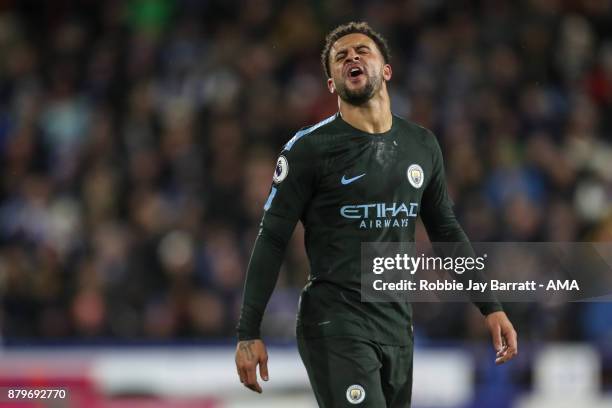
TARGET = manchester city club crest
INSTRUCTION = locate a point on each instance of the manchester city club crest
(415, 175)
(281, 170)
(355, 394)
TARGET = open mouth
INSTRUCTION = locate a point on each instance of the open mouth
(355, 72)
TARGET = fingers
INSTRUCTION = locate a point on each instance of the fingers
(497, 338)
(249, 353)
(248, 377)
(502, 356)
(503, 336)
(263, 368)
(241, 374)
(248, 374)
(511, 348)
(251, 379)
(511, 338)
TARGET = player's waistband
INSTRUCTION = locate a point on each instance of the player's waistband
(339, 325)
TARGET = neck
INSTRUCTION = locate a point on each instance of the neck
(372, 117)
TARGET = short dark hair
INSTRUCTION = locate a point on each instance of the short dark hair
(351, 28)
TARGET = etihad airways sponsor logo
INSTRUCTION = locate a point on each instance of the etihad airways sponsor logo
(381, 215)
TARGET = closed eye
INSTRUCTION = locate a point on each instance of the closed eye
(360, 49)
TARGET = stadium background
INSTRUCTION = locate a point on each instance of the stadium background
(137, 144)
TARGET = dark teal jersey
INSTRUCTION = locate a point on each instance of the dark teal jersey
(348, 187)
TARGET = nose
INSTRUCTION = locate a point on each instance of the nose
(352, 56)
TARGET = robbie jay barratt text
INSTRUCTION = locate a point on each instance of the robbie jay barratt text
(494, 285)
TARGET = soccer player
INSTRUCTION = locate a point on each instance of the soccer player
(354, 352)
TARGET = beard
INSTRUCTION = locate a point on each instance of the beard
(360, 96)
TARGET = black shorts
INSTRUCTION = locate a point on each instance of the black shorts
(347, 371)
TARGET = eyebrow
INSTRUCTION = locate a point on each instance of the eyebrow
(357, 47)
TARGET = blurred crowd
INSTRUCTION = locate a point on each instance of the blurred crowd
(138, 140)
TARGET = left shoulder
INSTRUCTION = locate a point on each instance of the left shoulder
(414, 130)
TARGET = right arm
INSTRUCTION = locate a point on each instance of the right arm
(262, 275)
(292, 187)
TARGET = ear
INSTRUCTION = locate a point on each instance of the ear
(387, 72)
(330, 85)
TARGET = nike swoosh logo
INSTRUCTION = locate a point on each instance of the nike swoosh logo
(346, 181)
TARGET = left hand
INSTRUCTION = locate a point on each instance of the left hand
(503, 336)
